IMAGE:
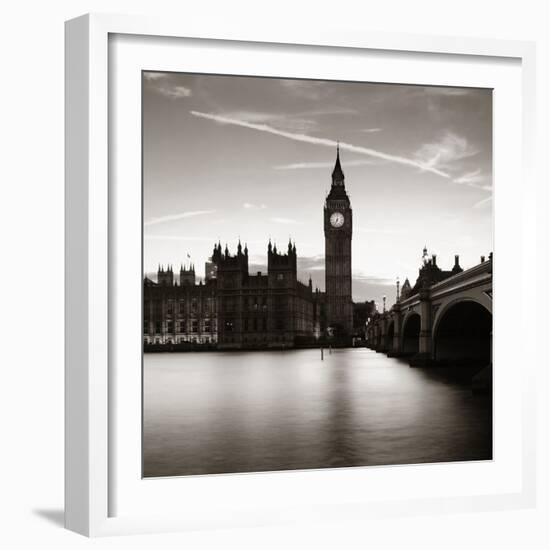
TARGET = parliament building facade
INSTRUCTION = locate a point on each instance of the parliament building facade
(234, 309)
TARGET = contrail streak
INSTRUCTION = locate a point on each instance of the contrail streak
(483, 202)
(323, 141)
(180, 216)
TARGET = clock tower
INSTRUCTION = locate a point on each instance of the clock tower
(338, 231)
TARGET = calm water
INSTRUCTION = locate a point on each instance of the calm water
(257, 411)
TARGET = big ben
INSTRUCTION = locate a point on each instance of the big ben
(338, 232)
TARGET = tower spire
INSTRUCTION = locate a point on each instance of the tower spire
(337, 173)
(397, 298)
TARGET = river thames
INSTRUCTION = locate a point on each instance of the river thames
(224, 412)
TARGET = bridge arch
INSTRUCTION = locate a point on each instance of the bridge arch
(410, 335)
(447, 305)
(462, 332)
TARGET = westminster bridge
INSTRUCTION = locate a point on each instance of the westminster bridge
(447, 322)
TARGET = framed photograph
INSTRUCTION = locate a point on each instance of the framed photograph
(290, 275)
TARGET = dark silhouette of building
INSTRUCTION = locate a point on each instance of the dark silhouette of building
(262, 310)
(234, 309)
(430, 273)
(405, 290)
(179, 313)
(338, 233)
(187, 276)
(362, 313)
(210, 270)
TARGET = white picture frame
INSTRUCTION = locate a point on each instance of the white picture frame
(90, 217)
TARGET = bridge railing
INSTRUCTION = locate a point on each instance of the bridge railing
(481, 272)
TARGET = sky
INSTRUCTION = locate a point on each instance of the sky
(229, 157)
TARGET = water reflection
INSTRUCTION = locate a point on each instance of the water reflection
(260, 411)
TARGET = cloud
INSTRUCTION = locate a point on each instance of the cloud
(439, 155)
(311, 263)
(474, 179)
(470, 177)
(380, 230)
(371, 130)
(330, 111)
(372, 279)
(252, 116)
(154, 75)
(286, 221)
(297, 123)
(180, 216)
(307, 89)
(250, 206)
(415, 163)
(303, 121)
(313, 165)
(442, 91)
(484, 202)
(174, 92)
(160, 83)
(150, 237)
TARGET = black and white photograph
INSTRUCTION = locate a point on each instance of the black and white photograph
(268, 240)
(317, 274)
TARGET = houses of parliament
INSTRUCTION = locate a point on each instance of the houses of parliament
(236, 309)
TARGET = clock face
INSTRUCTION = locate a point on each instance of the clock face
(337, 219)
